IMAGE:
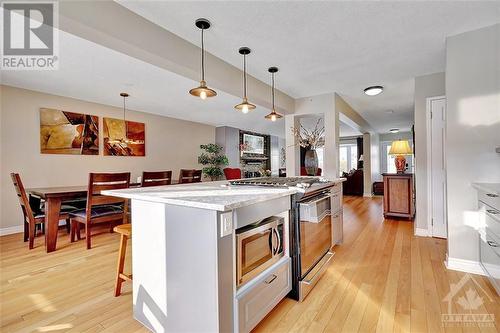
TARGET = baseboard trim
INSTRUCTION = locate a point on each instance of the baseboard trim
(461, 265)
(422, 232)
(367, 195)
(11, 230)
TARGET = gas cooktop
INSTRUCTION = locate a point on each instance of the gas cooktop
(302, 182)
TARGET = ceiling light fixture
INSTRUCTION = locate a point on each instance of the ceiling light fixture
(202, 90)
(394, 130)
(373, 90)
(244, 106)
(273, 116)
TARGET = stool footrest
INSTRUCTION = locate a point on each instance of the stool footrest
(125, 277)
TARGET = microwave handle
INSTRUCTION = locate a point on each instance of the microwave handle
(278, 238)
(273, 242)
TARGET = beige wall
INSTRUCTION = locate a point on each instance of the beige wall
(425, 86)
(371, 163)
(171, 144)
(321, 105)
(472, 131)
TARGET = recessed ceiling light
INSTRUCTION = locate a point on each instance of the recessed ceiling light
(373, 90)
(394, 130)
(390, 111)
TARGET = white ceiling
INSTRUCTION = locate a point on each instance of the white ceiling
(310, 122)
(327, 46)
(91, 72)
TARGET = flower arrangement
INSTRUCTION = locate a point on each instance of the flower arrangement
(310, 139)
(243, 147)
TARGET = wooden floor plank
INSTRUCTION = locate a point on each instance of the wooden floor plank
(382, 278)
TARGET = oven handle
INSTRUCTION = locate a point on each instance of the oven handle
(324, 196)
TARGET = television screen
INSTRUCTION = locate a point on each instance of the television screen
(254, 144)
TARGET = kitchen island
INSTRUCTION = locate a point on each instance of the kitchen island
(184, 255)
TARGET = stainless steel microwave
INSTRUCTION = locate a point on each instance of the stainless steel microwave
(259, 245)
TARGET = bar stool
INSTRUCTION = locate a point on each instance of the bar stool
(125, 231)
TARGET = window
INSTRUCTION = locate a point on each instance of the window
(348, 157)
(387, 161)
(320, 153)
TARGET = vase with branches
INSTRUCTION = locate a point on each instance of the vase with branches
(311, 140)
(213, 160)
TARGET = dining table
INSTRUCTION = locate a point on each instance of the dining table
(54, 197)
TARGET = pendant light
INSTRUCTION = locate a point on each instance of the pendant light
(273, 116)
(124, 139)
(244, 106)
(202, 90)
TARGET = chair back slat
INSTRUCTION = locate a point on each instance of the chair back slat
(23, 198)
(105, 181)
(156, 178)
(189, 176)
(110, 177)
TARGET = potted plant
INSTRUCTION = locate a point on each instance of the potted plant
(311, 140)
(213, 160)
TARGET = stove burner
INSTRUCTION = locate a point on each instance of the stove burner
(301, 182)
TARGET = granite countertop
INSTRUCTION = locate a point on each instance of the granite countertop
(493, 188)
(207, 195)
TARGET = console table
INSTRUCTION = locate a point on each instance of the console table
(398, 195)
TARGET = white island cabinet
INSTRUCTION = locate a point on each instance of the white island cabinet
(184, 256)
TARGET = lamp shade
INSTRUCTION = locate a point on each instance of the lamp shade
(400, 147)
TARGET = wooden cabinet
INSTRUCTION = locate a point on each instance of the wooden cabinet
(398, 195)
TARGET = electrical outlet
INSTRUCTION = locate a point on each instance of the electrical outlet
(226, 224)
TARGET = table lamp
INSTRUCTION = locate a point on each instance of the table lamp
(400, 148)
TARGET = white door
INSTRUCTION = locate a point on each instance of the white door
(438, 167)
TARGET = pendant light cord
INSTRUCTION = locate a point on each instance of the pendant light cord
(245, 75)
(273, 90)
(124, 120)
(202, 57)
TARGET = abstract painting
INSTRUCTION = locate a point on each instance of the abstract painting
(63, 132)
(123, 138)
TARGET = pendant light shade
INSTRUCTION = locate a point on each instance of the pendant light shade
(244, 106)
(202, 90)
(273, 116)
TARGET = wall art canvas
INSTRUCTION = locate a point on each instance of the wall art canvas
(63, 132)
(253, 144)
(124, 138)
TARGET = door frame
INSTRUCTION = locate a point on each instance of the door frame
(430, 227)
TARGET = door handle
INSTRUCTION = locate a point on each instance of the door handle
(493, 211)
(271, 279)
(492, 195)
(492, 244)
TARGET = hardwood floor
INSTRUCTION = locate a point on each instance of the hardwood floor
(382, 279)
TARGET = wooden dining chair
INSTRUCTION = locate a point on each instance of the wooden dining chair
(156, 178)
(33, 215)
(189, 176)
(101, 208)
